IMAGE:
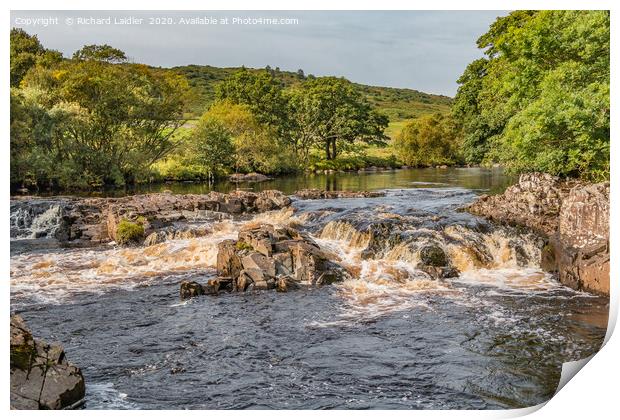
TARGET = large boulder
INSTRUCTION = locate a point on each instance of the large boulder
(534, 202)
(283, 256)
(581, 243)
(268, 257)
(41, 376)
(573, 215)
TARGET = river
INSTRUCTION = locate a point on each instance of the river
(391, 337)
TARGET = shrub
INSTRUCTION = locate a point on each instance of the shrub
(129, 232)
(242, 246)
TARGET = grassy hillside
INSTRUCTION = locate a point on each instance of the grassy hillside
(399, 105)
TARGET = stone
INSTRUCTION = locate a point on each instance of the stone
(261, 285)
(257, 239)
(242, 282)
(190, 289)
(534, 202)
(96, 219)
(286, 283)
(258, 262)
(438, 272)
(582, 240)
(255, 275)
(316, 194)
(41, 377)
(228, 261)
(434, 256)
(251, 177)
(289, 257)
(572, 215)
(281, 285)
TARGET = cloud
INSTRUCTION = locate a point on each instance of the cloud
(424, 50)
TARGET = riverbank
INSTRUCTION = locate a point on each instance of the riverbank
(574, 217)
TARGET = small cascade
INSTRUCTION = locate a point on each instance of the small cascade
(48, 223)
(466, 248)
(40, 219)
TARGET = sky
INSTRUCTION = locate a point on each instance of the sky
(423, 50)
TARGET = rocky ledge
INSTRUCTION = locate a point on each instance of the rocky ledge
(267, 257)
(97, 219)
(316, 194)
(573, 215)
(41, 376)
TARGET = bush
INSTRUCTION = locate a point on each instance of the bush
(427, 141)
(129, 232)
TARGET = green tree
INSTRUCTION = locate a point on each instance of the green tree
(466, 109)
(211, 146)
(107, 123)
(428, 140)
(104, 53)
(540, 99)
(261, 92)
(331, 113)
(26, 52)
(256, 146)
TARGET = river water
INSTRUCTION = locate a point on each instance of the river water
(390, 337)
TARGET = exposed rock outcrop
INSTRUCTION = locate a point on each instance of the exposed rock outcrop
(41, 376)
(268, 257)
(534, 202)
(97, 219)
(171, 233)
(395, 237)
(316, 194)
(573, 215)
(581, 243)
(251, 177)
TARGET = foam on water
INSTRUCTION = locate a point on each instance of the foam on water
(57, 275)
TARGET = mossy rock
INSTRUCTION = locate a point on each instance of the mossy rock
(129, 232)
(433, 256)
(21, 355)
(242, 246)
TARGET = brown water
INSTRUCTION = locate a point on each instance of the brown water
(390, 337)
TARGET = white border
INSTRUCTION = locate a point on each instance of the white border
(592, 394)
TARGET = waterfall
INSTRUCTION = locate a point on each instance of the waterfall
(40, 219)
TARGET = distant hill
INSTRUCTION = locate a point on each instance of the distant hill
(398, 104)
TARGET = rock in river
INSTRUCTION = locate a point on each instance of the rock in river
(315, 194)
(251, 177)
(41, 376)
(573, 215)
(268, 257)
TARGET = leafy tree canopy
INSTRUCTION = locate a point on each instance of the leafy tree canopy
(26, 52)
(98, 123)
(427, 141)
(103, 53)
(540, 98)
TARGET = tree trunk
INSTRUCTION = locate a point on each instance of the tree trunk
(334, 151)
(328, 154)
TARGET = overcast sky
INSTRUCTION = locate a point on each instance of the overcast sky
(424, 50)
